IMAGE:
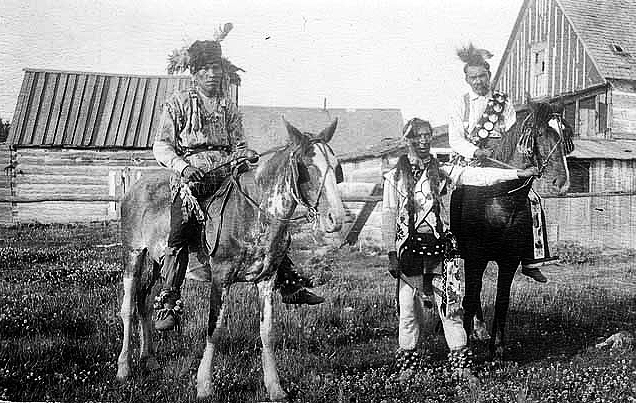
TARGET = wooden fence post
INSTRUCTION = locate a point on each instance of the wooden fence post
(354, 230)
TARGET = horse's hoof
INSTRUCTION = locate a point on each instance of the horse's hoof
(279, 396)
(150, 363)
(495, 354)
(123, 375)
(123, 371)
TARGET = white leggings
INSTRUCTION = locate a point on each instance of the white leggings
(412, 315)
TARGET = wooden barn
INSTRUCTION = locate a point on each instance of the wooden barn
(583, 53)
(78, 139)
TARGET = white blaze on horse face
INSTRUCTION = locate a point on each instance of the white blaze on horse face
(557, 125)
(329, 203)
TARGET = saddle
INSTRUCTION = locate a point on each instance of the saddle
(206, 243)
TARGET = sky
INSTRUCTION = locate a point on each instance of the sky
(355, 54)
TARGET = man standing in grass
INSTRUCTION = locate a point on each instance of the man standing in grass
(421, 250)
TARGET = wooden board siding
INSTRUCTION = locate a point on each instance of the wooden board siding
(69, 173)
(604, 221)
(623, 114)
(6, 211)
(569, 67)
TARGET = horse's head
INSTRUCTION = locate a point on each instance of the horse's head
(318, 174)
(548, 139)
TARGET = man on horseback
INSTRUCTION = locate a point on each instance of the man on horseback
(200, 138)
(476, 127)
(422, 255)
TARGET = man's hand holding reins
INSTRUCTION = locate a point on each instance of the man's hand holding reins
(192, 174)
(482, 155)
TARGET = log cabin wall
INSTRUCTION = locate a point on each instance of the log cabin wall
(91, 174)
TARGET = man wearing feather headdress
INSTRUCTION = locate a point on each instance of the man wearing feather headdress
(478, 122)
(200, 136)
(422, 254)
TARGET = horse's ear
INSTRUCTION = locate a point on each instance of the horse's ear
(327, 134)
(531, 105)
(295, 136)
(559, 106)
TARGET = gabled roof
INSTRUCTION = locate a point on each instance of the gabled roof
(601, 24)
(357, 128)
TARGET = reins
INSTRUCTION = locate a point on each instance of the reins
(292, 181)
(544, 164)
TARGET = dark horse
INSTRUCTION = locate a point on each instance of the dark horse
(493, 223)
(251, 243)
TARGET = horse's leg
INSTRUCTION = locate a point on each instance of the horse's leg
(144, 310)
(216, 317)
(132, 267)
(270, 373)
(473, 272)
(480, 331)
(506, 273)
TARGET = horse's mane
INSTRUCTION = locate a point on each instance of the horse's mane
(508, 144)
(269, 173)
(537, 119)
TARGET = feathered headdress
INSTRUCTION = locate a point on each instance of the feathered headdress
(199, 53)
(222, 31)
(473, 56)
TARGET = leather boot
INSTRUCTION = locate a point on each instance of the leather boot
(168, 305)
(293, 287)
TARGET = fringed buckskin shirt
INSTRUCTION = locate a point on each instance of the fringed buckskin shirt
(191, 134)
(466, 113)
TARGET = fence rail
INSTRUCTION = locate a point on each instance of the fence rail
(594, 219)
(350, 199)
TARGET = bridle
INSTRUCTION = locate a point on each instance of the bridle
(292, 182)
(312, 208)
(527, 144)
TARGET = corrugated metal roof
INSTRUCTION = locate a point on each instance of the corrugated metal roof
(602, 24)
(604, 149)
(356, 129)
(80, 109)
(100, 110)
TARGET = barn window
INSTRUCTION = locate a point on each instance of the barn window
(592, 116)
(579, 175)
(538, 74)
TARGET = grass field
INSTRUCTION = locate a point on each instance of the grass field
(60, 332)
